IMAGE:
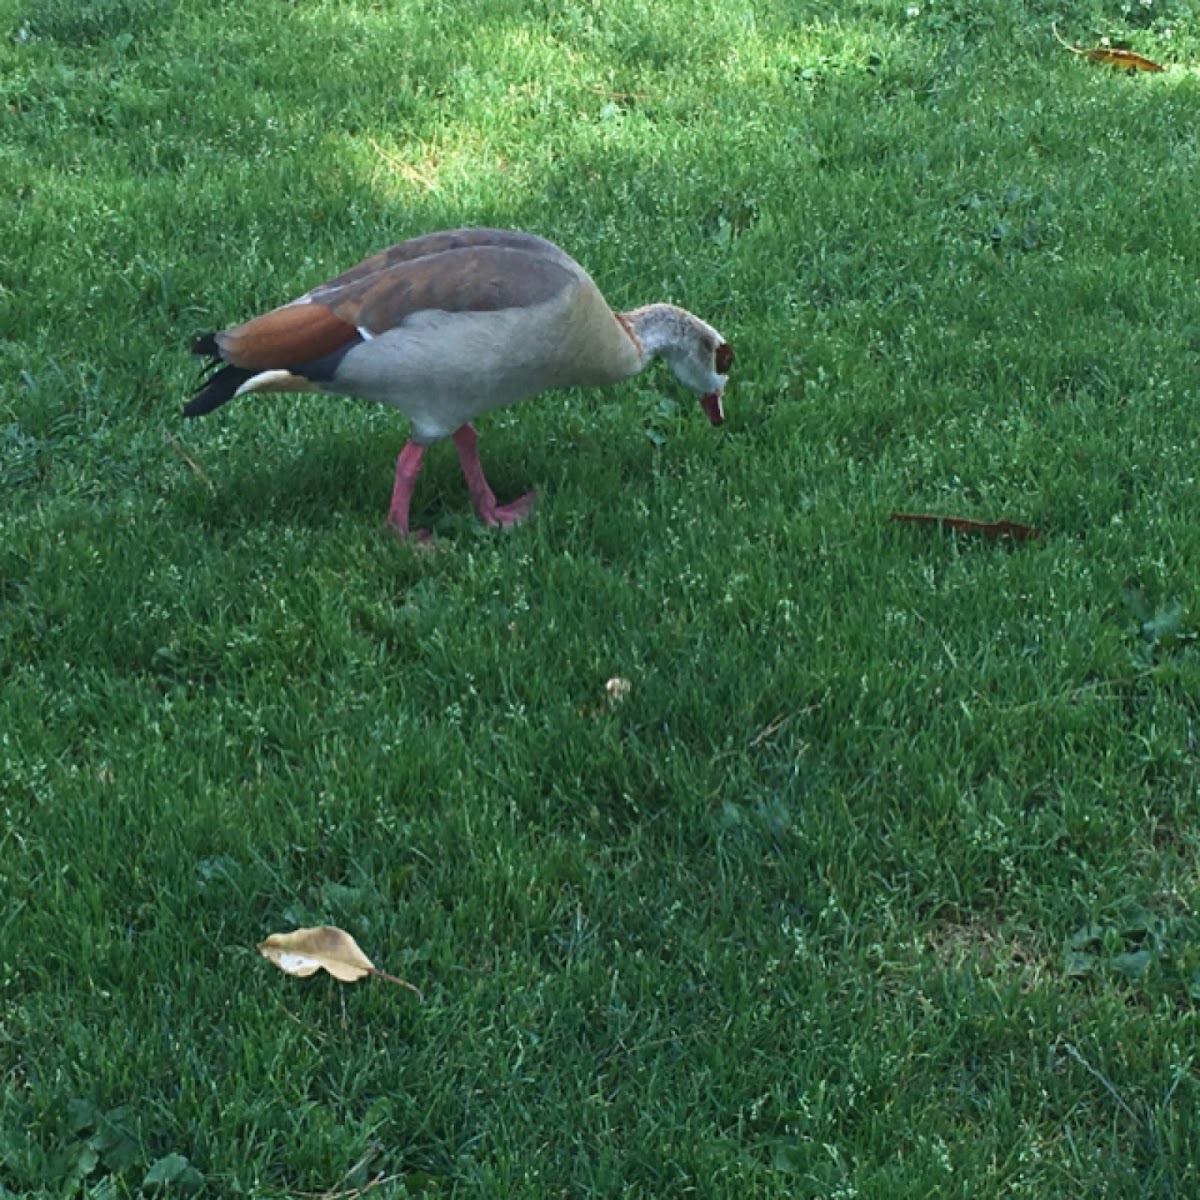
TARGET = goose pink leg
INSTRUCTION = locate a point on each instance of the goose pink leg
(408, 467)
(482, 497)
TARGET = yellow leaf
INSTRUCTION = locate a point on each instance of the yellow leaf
(306, 951)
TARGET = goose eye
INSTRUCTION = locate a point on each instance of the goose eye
(724, 358)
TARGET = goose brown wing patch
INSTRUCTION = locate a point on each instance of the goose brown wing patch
(471, 279)
(285, 337)
(429, 245)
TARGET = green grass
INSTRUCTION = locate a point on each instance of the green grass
(882, 882)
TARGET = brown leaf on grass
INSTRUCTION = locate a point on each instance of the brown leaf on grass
(1126, 60)
(996, 530)
(303, 952)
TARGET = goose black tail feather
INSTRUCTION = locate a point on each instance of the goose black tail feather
(206, 345)
(219, 387)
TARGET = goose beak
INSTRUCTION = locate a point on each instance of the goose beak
(712, 407)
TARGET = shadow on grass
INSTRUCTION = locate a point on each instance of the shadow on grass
(334, 475)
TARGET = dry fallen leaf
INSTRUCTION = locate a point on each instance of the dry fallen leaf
(323, 947)
(1006, 530)
(306, 951)
(1127, 60)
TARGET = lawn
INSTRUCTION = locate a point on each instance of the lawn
(883, 879)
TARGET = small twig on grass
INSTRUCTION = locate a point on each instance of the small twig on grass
(1101, 1077)
(187, 458)
(776, 723)
(1096, 688)
(352, 1193)
(614, 96)
(316, 1038)
(770, 729)
(338, 1192)
(411, 173)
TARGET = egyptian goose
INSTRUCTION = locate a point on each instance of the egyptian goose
(445, 327)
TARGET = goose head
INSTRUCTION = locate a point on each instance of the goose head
(698, 355)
